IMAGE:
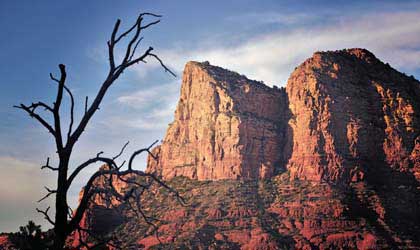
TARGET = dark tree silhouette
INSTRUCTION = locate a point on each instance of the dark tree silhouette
(30, 237)
(65, 221)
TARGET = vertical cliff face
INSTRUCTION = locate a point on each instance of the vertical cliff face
(226, 127)
(351, 114)
(343, 114)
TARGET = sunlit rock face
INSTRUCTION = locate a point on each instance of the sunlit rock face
(226, 127)
(341, 113)
(352, 115)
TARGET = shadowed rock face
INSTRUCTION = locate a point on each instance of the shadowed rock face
(332, 161)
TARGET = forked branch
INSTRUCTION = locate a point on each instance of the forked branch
(46, 215)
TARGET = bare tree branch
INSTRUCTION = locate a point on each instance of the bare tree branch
(57, 104)
(128, 31)
(86, 103)
(41, 120)
(149, 24)
(100, 241)
(162, 64)
(135, 48)
(121, 152)
(71, 111)
(70, 212)
(46, 216)
(133, 156)
(133, 40)
(82, 166)
(47, 165)
(116, 71)
(71, 104)
(40, 104)
(89, 190)
(111, 45)
(132, 27)
(50, 192)
(121, 165)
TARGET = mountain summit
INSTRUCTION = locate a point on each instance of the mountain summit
(332, 161)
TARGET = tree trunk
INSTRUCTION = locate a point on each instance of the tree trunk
(61, 207)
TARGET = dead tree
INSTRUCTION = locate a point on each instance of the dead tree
(65, 223)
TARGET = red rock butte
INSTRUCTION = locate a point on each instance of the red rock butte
(342, 114)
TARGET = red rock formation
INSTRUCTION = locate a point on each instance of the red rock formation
(415, 158)
(350, 110)
(343, 110)
(226, 127)
(248, 215)
(330, 162)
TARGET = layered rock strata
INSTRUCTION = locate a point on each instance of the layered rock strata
(340, 113)
(226, 127)
(351, 114)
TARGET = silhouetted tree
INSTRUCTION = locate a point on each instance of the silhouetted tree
(30, 237)
(65, 221)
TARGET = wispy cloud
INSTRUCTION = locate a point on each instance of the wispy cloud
(259, 18)
(145, 97)
(271, 57)
(147, 108)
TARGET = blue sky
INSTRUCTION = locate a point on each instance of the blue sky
(264, 40)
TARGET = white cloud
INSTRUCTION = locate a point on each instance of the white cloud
(137, 123)
(258, 18)
(150, 109)
(145, 97)
(393, 37)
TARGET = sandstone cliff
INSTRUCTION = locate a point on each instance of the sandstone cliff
(351, 114)
(341, 113)
(226, 127)
(332, 161)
